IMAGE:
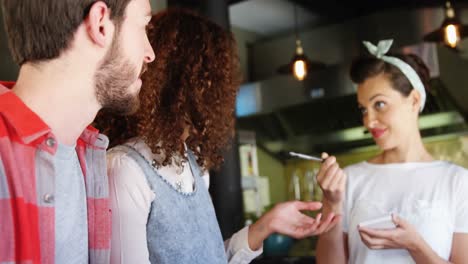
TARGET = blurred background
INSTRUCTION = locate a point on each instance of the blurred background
(297, 96)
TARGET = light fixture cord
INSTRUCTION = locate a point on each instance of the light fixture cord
(295, 22)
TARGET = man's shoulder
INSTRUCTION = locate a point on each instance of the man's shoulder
(4, 133)
(6, 146)
(8, 133)
(5, 92)
(6, 109)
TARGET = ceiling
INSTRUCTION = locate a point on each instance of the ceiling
(272, 17)
(269, 17)
(342, 9)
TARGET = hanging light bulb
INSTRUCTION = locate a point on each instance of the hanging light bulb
(451, 27)
(300, 70)
(299, 62)
(452, 36)
(300, 65)
(451, 31)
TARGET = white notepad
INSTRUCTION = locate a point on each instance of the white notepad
(379, 223)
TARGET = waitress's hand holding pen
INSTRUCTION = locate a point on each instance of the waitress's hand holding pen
(332, 181)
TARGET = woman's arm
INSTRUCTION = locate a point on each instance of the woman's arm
(285, 218)
(332, 245)
(238, 250)
(406, 237)
(130, 199)
(459, 248)
(423, 253)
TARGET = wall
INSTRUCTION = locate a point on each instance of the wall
(8, 69)
(158, 5)
(244, 40)
(454, 75)
(274, 170)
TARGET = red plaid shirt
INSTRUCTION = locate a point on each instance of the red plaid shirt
(27, 182)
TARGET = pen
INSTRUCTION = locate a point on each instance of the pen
(304, 156)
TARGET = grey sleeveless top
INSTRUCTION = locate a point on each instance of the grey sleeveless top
(182, 227)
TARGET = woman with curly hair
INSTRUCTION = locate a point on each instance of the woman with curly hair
(162, 211)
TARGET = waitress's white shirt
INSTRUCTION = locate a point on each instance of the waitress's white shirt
(432, 196)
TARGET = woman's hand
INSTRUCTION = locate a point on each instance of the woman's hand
(332, 181)
(404, 236)
(286, 218)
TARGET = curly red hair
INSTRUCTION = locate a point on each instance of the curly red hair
(192, 84)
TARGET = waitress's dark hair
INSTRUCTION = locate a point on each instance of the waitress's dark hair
(366, 67)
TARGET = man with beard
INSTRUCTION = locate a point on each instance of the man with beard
(75, 57)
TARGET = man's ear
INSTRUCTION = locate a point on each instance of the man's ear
(98, 24)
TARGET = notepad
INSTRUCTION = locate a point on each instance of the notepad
(379, 223)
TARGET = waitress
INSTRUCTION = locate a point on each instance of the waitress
(425, 197)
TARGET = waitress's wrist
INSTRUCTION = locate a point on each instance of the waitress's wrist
(332, 207)
(416, 245)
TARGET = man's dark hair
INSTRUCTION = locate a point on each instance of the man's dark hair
(41, 30)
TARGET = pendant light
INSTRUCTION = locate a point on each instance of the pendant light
(451, 31)
(299, 65)
(451, 27)
(299, 60)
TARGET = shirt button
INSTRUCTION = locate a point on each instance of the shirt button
(48, 198)
(50, 142)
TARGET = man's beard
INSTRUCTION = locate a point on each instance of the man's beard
(113, 79)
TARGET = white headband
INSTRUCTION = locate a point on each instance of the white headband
(379, 52)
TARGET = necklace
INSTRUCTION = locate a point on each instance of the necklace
(178, 185)
(179, 168)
